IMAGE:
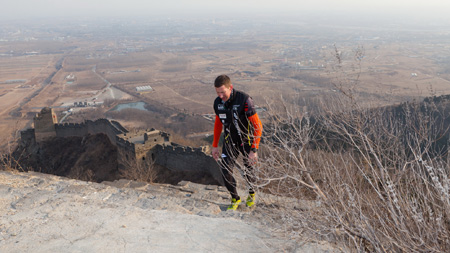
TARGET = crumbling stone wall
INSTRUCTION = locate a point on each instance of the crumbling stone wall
(27, 137)
(151, 145)
(90, 127)
(137, 144)
(126, 155)
(71, 129)
(182, 158)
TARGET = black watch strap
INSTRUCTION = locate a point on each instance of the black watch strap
(254, 150)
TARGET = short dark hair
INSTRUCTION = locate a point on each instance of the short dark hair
(222, 80)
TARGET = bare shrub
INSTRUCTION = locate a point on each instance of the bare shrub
(403, 179)
(380, 176)
(284, 165)
(139, 170)
(8, 161)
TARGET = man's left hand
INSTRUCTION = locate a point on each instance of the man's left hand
(252, 157)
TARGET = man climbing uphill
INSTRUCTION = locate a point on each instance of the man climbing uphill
(242, 127)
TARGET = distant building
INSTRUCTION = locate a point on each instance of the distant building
(71, 78)
(143, 89)
(14, 81)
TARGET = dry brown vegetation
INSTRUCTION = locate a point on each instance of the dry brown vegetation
(139, 170)
(382, 184)
(380, 175)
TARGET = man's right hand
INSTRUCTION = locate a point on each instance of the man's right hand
(215, 153)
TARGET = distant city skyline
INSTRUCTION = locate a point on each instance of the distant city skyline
(376, 9)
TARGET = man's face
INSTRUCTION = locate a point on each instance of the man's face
(224, 93)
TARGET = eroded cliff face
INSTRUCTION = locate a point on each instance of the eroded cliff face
(89, 158)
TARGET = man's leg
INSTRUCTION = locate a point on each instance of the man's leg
(227, 163)
(249, 174)
(249, 171)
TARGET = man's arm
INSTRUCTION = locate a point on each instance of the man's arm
(217, 131)
(257, 130)
(250, 111)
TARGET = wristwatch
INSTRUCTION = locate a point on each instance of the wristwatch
(254, 150)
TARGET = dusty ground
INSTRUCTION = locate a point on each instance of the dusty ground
(45, 213)
(33, 70)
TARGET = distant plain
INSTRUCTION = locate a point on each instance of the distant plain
(180, 60)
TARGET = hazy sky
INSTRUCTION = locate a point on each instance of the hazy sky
(21, 9)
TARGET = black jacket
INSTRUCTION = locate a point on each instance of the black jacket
(234, 115)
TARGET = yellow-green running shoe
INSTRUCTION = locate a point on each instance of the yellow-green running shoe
(234, 204)
(250, 200)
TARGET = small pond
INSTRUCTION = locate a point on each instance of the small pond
(135, 105)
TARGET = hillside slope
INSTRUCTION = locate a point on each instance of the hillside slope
(46, 213)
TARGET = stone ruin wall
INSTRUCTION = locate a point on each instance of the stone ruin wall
(126, 153)
(139, 150)
(27, 137)
(71, 129)
(151, 139)
(44, 124)
(183, 158)
(88, 127)
(126, 150)
(156, 146)
(124, 144)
